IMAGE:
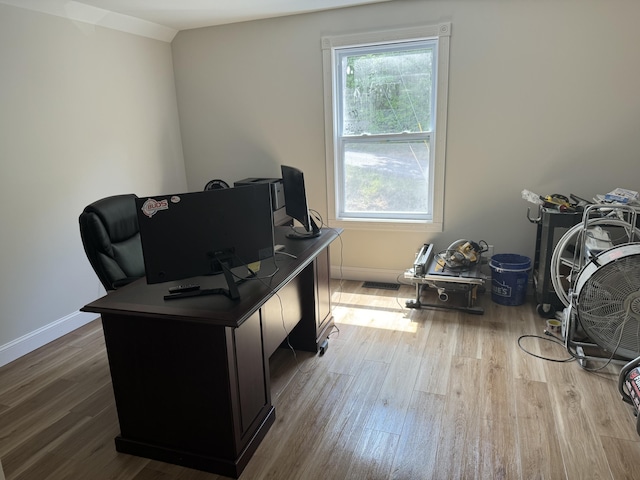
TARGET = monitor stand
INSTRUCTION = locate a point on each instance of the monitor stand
(315, 232)
(232, 291)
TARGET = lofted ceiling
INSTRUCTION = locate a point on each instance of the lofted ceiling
(185, 14)
(175, 15)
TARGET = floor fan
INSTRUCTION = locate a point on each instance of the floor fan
(607, 300)
(601, 233)
(601, 289)
(604, 306)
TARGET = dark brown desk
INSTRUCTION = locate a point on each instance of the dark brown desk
(191, 376)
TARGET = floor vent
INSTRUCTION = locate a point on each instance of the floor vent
(382, 285)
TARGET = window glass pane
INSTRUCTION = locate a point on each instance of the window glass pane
(389, 91)
(387, 177)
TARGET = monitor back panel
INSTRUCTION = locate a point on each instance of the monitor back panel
(181, 234)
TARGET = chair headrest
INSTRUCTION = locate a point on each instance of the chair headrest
(118, 216)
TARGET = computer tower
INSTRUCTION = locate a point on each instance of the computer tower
(280, 216)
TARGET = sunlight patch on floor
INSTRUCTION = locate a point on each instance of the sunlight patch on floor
(365, 310)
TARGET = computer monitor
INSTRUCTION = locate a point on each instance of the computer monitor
(204, 233)
(295, 201)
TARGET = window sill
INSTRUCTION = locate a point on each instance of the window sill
(389, 225)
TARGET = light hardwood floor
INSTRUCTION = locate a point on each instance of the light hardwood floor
(400, 394)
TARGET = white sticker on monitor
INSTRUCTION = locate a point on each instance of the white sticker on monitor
(150, 207)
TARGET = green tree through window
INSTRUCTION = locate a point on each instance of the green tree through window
(385, 162)
(388, 92)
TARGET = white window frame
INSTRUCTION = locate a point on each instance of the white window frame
(441, 33)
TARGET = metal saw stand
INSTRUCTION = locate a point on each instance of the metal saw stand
(444, 281)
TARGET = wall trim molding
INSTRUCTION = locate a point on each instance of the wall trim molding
(81, 12)
(33, 340)
(368, 274)
(394, 276)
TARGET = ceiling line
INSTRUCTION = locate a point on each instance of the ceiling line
(81, 12)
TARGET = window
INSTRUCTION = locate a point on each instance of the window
(385, 113)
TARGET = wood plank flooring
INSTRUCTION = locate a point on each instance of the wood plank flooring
(400, 394)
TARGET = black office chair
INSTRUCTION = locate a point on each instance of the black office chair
(111, 239)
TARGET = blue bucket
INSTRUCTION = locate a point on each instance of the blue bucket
(509, 278)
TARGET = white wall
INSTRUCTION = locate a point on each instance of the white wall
(85, 112)
(543, 95)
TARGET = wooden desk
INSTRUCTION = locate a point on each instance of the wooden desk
(191, 376)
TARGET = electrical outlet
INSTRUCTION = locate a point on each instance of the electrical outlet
(489, 251)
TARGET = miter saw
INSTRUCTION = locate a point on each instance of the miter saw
(462, 255)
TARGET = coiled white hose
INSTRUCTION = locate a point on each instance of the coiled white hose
(574, 235)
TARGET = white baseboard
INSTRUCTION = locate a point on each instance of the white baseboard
(389, 276)
(367, 274)
(43, 335)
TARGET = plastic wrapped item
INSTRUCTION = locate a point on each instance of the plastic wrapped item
(532, 197)
(621, 195)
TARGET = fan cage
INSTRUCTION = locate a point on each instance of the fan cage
(608, 306)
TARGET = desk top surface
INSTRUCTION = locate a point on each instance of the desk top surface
(141, 299)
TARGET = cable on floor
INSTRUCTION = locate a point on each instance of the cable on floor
(547, 339)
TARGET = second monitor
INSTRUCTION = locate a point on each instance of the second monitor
(295, 202)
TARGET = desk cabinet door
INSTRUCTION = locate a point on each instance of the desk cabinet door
(251, 374)
(281, 314)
